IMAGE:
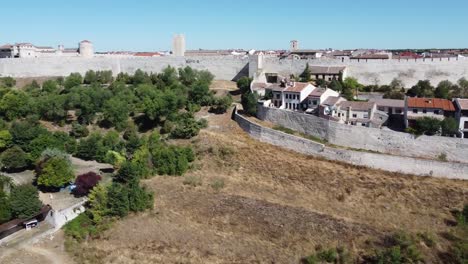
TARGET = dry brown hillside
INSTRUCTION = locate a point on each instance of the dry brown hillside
(249, 202)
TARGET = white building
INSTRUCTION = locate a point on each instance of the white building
(178, 45)
(86, 49)
(462, 116)
(290, 95)
(390, 106)
(318, 96)
(416, 108)
(28, 50)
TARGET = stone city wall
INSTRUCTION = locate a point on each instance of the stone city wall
(233, 67)
(223, 67)
(406, 165)
(379, 71)
(373, 139)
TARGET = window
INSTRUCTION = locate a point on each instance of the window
(424, 111)
(354, 115)
(466, 125)
(315, 102)
(415, 111)
(277, 96)
(366, 115)
(437, 112)
(398, 111)
(363, 124)
(339, 114)
(381, 108)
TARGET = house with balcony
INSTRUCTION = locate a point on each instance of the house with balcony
(416, 108)
(462, 116)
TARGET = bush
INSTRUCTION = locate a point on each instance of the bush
(85, 183)
(80, 228)
(55, 173)
(24, 200)
(14, 159)
(5, 208)
(428, 126)
(221, 105)
(193, 181)
(79, 131)
(217, 184)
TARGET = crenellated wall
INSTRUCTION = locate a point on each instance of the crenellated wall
(233, 67)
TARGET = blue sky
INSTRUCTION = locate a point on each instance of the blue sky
(149, 25)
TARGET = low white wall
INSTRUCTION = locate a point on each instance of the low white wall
(374, 139)
(58, 218)
(420, 167)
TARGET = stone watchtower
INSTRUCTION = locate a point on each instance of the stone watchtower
(294, 45)
(86, 49)
(178, 45)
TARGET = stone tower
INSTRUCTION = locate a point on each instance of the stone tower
(294, 45)
(178, 45)
(86, 49)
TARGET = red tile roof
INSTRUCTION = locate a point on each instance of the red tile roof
(434, 103)
(463, 103)
(147, 54)
(297, 87)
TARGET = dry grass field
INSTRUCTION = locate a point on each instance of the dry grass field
(248, 202)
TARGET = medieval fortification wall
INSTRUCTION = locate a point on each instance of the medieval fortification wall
(407, 165)
(231, 68)
(372, 139)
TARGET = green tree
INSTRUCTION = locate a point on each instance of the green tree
(5, 208)
(116, 112)
(73, 80)
(200, 94)
(306, 74)
(5, 139)
(396, 84)
(14, 159)
(90, 77)
(8, 82)
(15, 104)
(428, 126)
(138, 198)
(50, 86)
(79, 130)
(244, 84)
(24, 200)
(249, 103)
(449, 126)
(24, 132)
(55, 173)
(421, 89)
(117, 200)
(98, 202)
(336, 85)
(443, 89)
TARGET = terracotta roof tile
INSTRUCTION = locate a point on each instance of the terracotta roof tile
(434, 103)
(297, 87)
(463, 103)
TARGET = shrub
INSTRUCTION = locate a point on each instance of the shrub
(117, 200)
(5, 208)
(428, 126)
(86, 182)
(217, 184)
(14, 159)
(5, 139)
(55, 173)
(80, 228)
(221, 105)
(24, 200)
(79, 131)
(193, 181)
